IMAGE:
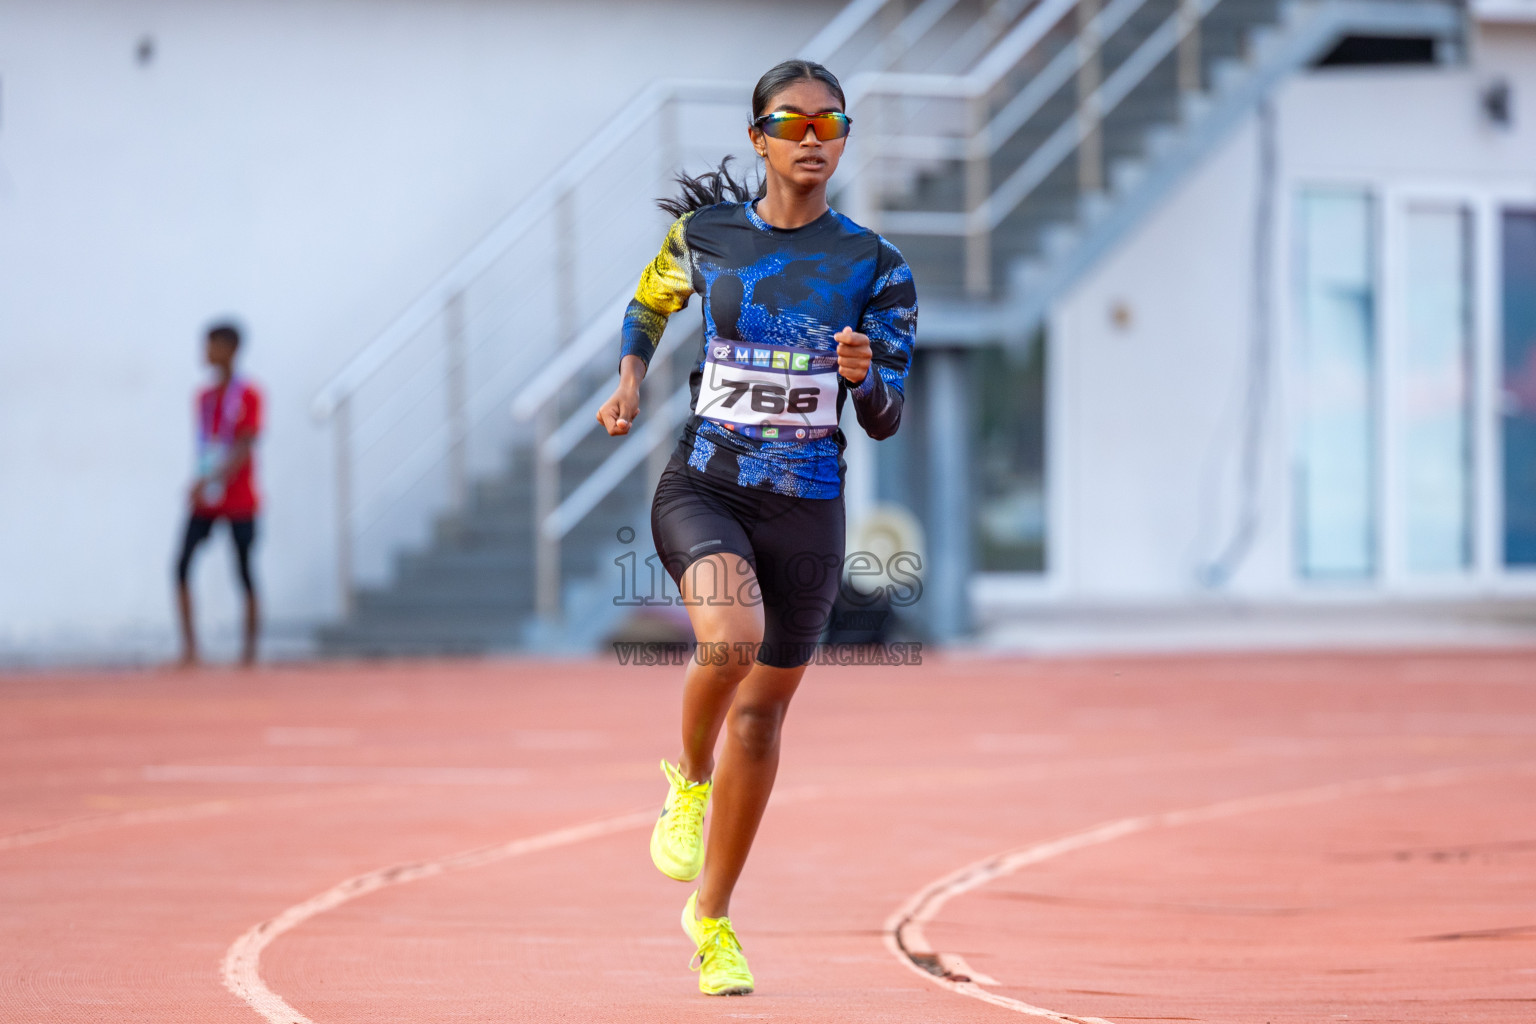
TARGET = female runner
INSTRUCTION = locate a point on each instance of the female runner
(803, 309)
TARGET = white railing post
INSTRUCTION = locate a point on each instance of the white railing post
(458, 458)
(670, 149)
(341, 425)
(656, 372)
(978, 187)
(1189, 46)
(659, 370)
(546, 498)
(546, 481)
(1090, 75)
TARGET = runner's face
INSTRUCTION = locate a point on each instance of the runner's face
(220, 354)
(805, 164)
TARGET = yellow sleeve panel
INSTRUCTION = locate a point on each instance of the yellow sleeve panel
(665, 287)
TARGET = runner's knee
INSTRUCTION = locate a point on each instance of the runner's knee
(732, 629)
(243, 569)
(756, 727)
(244, 534)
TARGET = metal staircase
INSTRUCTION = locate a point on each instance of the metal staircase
(1017, 176)
(1004, 146)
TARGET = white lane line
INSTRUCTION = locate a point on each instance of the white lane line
(904, 929)
(148, 816)
(258, 773)
(241, 969)
(330, 774)
(185, 812)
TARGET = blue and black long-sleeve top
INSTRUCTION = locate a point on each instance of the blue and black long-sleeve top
(775, 296)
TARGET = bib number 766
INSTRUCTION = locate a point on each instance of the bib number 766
(771, 398)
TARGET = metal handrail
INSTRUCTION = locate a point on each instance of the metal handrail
(591, 155)
(833, 36)
(980, 80)
(1004, 199)
(443, 300)
(986, 204)
(564, 439)
(613, 470)
(581, 344)
(571, 360)
(839, 32)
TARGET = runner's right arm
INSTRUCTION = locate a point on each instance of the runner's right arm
(665, 287)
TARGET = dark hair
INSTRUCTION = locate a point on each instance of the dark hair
(718, 186)
(225, 331)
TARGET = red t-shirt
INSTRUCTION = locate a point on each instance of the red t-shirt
(239, 500)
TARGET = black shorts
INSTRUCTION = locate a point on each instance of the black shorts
(242, 531)
(794, 545)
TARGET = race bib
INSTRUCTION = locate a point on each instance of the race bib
(769, 392)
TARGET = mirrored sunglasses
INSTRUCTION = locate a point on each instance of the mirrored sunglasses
(783, 124)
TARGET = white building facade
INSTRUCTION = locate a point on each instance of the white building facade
(308, 167)
(1308, 375)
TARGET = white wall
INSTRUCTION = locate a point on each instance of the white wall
(308, 165)
(1146, 421)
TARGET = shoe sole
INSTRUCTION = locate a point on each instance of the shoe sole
(661, 864)
(688, 919)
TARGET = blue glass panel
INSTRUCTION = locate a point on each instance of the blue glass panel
(1518, 278)
(1434, 414)
(1335, 473)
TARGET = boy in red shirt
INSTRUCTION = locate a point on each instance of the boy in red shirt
(228, 420)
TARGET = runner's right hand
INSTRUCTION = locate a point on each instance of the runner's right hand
(620, 410)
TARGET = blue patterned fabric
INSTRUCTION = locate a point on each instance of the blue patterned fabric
(782, 287)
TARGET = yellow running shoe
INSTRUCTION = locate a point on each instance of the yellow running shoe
(719, 960)
(677, 841)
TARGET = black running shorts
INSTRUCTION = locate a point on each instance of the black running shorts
(243, 531)
(794, 545)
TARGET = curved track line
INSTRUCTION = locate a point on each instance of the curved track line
(241, 968)
(904, 929)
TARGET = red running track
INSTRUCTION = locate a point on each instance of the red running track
(1235, 838)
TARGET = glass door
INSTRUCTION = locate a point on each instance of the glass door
(1517, 279)
(1335, 472)
(1431, 416)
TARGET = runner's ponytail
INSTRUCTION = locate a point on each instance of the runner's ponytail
(707, 189)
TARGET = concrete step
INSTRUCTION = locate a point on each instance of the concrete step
(489, 603)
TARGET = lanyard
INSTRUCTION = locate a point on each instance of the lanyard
(229, 409)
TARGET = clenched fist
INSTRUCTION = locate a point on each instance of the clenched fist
(853, 355)
(619, 412)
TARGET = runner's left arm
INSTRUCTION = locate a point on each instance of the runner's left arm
(890, 323)
(247, 426)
